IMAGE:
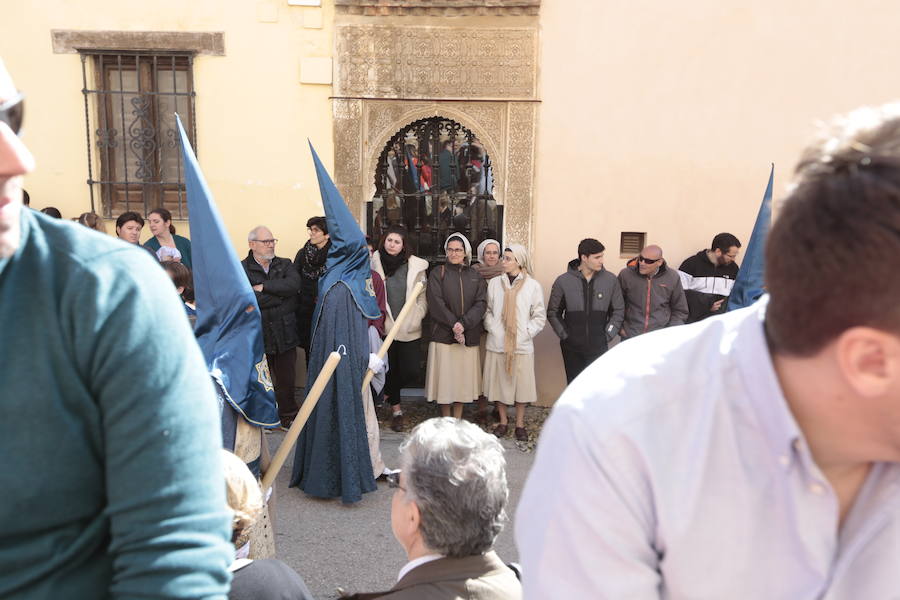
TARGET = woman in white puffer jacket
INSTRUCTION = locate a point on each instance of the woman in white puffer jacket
(515, 314)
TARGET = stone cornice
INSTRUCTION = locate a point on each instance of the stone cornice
(456, 8)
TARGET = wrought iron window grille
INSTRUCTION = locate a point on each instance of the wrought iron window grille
(435, 178)
(130, 101)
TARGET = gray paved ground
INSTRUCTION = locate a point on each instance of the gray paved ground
(333, 545)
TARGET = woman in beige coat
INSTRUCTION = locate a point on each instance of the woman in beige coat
(515, 314)
(400, 271)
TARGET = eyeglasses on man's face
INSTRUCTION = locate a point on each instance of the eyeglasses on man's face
(266, 242)
(12, 112)
(647, 261)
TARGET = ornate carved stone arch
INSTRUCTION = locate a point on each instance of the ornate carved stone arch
(507, 130)
(485, 78)
(380, 134)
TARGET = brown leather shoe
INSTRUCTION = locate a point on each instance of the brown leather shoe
(521, 434)
(397, 422)
(501, 430)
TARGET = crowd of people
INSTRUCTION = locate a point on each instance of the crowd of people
(482, 311)
(771, 471)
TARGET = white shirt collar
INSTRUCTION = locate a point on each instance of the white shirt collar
(417, 563)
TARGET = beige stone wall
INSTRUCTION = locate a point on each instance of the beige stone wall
(663, 117)
(254, 114)
(651, 116)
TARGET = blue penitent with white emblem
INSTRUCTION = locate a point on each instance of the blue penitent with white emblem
(229, 326)
(332, 457)
(348, 255)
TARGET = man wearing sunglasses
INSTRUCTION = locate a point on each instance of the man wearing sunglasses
(653, 295)
(111, 474)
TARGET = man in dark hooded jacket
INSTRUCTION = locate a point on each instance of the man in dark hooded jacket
(585, 308)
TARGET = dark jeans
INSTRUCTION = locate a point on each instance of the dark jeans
(575, 361)
(283, 371)
(403, 366)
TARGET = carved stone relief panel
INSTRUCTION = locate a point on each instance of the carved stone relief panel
(456, 8)
(387, 61)
(520, 172)
(348, 151)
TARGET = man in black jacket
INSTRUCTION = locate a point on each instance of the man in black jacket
(276, 284)
(708, 276)
(586, 308)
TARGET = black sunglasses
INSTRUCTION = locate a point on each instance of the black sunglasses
(647, 261)
(12, 112)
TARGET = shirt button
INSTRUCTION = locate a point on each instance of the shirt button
(817, 489)
(784, 460)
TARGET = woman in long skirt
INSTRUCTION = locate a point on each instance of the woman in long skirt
(488, 266)
(401, 271)
(515, 314)
(456, 304)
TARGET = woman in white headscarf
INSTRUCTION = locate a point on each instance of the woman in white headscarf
(456, 304)
(488, 266)
(515, 314)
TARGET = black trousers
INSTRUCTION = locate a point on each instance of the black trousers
(576, 361)
(282, 368)
(403, 366)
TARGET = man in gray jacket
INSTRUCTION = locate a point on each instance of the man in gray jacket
(653, 294)
(585, 308)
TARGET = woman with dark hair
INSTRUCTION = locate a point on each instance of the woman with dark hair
(456, 305)
(400, 270)
(183, 280)
(310, 263)
(167, 245)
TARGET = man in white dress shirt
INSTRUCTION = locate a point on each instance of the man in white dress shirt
(753, 455)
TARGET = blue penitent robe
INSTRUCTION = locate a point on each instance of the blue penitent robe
(332, 456)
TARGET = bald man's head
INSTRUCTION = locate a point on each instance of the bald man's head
(650, 259)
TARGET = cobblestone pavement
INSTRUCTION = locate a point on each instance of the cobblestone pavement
(333, 545)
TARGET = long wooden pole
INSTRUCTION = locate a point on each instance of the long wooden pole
(297, 426)
(407, 307)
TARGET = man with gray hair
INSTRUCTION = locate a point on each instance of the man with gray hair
(276, 284)
(653, 295)
(448, 508)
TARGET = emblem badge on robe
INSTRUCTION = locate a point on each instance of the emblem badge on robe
(370, 287)
(264, 378)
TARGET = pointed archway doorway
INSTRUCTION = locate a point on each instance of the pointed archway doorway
(435, 177)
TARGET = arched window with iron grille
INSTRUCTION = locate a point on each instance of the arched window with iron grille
(435, 178)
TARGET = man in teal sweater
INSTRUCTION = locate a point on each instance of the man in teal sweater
(110, 475)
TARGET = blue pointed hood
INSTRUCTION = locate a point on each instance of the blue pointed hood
(348, 256)
(229, 327)
(750, 282)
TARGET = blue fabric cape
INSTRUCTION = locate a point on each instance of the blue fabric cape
(229, 327)
(348, 256)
